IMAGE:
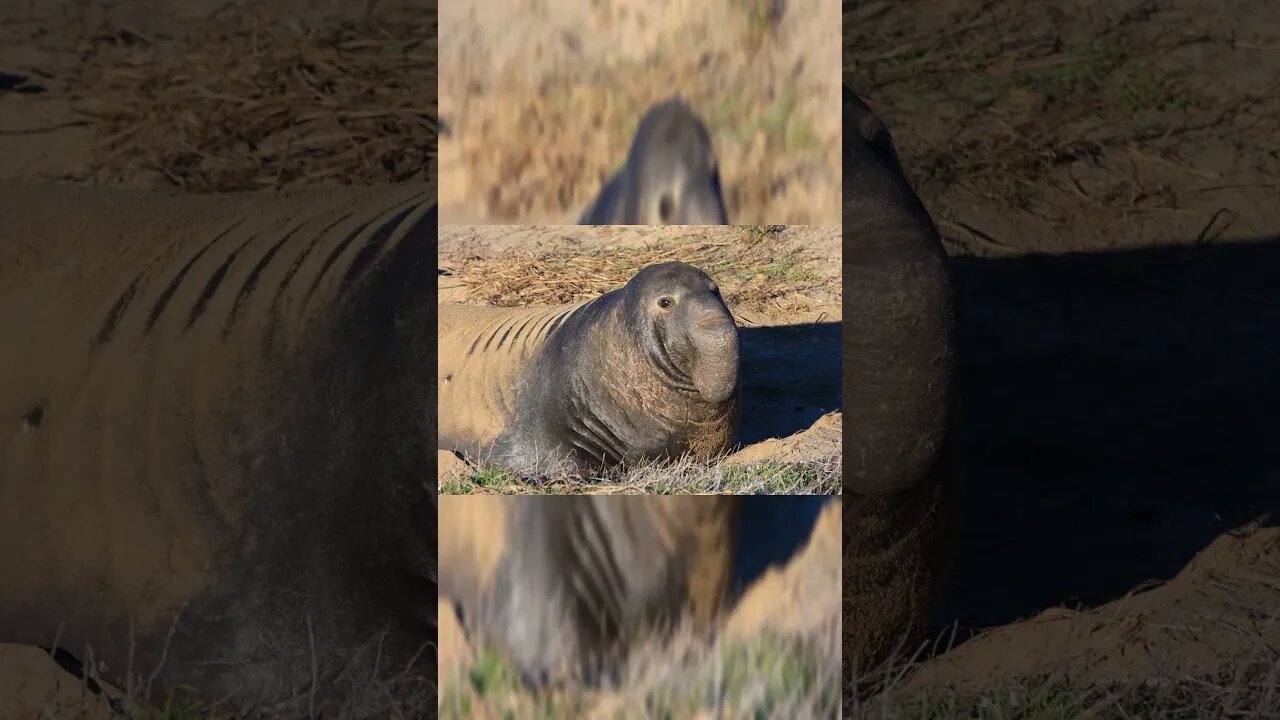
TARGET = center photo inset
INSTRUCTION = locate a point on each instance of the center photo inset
(639, 359)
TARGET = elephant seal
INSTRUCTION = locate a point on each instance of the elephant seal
(899, 440)
(671, 176)
(213, 444)
(647, 371)
(569, 585)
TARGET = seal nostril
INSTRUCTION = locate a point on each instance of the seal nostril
(33, 418)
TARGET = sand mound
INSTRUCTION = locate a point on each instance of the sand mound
(34, 687)
(813, 444)
(1220, 612)
(795, 599)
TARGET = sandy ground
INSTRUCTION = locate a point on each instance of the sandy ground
(33, 686)
(1107, 175)
(541, 107)
(790, 342)
(213, 96)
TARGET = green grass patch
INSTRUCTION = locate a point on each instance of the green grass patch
(790, 267)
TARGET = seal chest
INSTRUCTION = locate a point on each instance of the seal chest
(648, 371)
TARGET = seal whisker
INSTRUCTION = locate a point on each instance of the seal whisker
(676, 377)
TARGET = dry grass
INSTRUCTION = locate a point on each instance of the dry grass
(684, 476)
(542, 147)
(1250, 691)
(752, 272)
(1001, 101)
(251, 100)
(766, 676)
(761, 143)
(1245, 688)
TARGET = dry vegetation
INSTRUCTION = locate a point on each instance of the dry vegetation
(1253, 695)
(252, 98)
(1083, 118)
(753, 270)
(766, 676)
(532, 138)
(1250, 690)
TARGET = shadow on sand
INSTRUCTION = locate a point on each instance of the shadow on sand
(790, 378)
(1121, 410)
(772, 529)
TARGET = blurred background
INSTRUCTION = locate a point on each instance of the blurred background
(539, 108)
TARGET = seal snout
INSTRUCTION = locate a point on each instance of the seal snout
(716, 366)
(711, 320)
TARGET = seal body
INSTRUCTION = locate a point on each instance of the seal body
(671, 176)
(578, 581)
(901, 468)
(648, 371)
(214, 433)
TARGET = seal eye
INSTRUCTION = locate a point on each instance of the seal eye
(666, 206)
(665, 303)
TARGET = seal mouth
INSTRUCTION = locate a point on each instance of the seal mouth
(715, 367)
(715, 392)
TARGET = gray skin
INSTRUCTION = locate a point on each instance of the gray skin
(583, 579)
(627, 379)
(899, 317)
(671, 176)
(899, 444)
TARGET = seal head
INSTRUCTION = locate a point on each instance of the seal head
(685, 329)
